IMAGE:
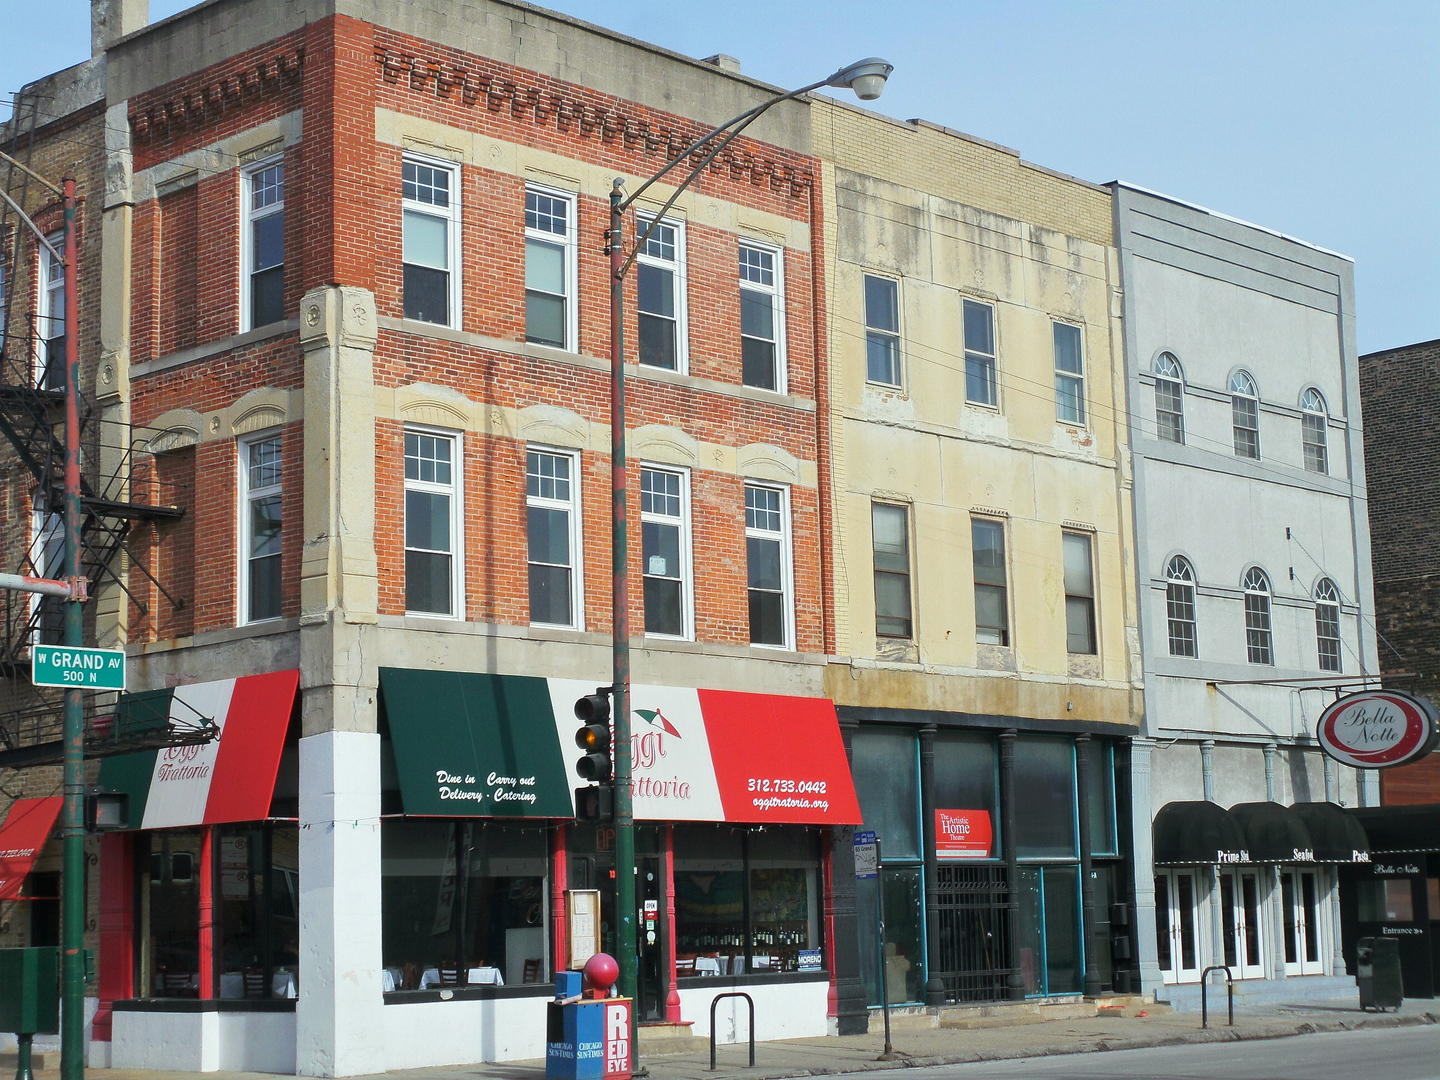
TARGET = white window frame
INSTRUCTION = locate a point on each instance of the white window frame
(245, 496)
(1240, 921)
(1180, 574)
(47, 329)
(687, 555)
(248, 216)
(787, 564)
(577, 532)
(1177, 972)
(569, 243)
(1082, 376)
(1168, 372)
(1327, 595)
(452, 217)
(677, 267)
(1268, 592)
(1300, 918)
(776, 291)
(46, 554)
(992, 358)
(1237, 392)
(898, 334)
(456, 490)
(1312, 415)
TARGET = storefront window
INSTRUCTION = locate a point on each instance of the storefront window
(462, 903)
(257, 914)
(746, 900)
(966, 777)
(1101, 805)
(1385, 900)
(904, 949)
(887, 782)
(1049, 929)
(169, 916)
(1044, 798)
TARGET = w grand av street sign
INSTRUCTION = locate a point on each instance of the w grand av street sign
(76, 668)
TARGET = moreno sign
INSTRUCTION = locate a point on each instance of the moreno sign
(1378, 729)
(76, 668)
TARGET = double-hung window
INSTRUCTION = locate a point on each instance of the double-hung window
(1169, 399)
(762, 310)
(992, 617)
(665, 551)
(430, 207)
(980, 353)
(660, 283)
(46, 559)
(263, 236)
(1069, 373)
(1327, 624)
(260, 461)
(431, 523)
(882, 330)
(1314, 420)
(1180, 607)
(1245, 415)
(1079, 594)
(890, 532)
(1258, 647)
(50, 318)
(767, 554)
(550, 268)
(552, 492)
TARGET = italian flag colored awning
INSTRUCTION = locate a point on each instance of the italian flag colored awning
(480, 745)
(231, 778)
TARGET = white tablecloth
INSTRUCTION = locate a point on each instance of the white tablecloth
(707, 965)
(480, 976)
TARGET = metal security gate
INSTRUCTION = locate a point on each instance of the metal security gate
(974, 928)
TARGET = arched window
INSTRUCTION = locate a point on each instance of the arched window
(1169, 399)
(1327, 624)
(1180, 606)
(1314, 420)
(1245, 415)
(1257, 617)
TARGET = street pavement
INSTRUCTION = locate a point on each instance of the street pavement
(1411, 1053)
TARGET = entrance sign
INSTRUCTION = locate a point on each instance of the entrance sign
(867, 855)
(963, 834)
(1378, 729)
(76, 668)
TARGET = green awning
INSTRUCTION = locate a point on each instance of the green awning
(473, 745)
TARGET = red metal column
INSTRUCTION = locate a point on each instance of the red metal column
(559, 882)
(207, 912)
(667, 872)
(827, 887)
(117, 927)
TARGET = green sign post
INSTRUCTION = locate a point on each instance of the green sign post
(76, 668)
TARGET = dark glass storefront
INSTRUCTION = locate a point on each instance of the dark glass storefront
(1005, 917)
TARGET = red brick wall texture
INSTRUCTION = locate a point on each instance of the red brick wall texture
(342, 204)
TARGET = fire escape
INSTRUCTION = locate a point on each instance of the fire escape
(32, 415)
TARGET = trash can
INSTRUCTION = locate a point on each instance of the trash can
(29, 997)
(1377, 971)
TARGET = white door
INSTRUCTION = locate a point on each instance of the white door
(1177, 907)
(1301, 898)
(1240, 917)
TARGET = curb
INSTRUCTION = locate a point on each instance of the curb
(1211, 1035)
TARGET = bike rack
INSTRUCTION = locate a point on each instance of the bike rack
(1229, 994)
(716, 1001)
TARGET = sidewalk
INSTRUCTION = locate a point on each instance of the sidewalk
(936, 1046)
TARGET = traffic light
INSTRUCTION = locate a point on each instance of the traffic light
(593, 711)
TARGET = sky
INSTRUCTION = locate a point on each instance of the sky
(1316, 118)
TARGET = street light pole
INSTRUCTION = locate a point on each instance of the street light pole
(867, 78)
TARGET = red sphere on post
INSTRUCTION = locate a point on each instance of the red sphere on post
(600, 972)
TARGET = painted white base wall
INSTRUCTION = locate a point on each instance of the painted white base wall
(782, 1011)
(203, 1042)
(464, 1032)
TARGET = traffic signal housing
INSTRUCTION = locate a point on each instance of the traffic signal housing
(593, 712)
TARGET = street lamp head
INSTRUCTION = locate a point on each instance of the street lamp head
(866, 77)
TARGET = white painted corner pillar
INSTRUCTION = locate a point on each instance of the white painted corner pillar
(1151, 981)
(338, 1021)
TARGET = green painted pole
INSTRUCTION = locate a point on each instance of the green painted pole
(72, 885)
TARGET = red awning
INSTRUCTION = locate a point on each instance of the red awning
(24, 833)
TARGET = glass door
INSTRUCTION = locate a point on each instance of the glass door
(1300, 901)
(1177, 901)
(1049, 932)
(654, 972)
(1240, 916)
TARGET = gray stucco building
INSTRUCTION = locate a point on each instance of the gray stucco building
(1256, 603)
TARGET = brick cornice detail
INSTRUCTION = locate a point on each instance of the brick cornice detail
(204, 103)
(580, 116)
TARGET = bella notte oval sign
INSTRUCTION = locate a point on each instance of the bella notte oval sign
(1376, 729)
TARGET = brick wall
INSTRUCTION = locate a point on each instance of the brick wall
(1400, 394)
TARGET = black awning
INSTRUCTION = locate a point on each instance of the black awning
(1197, 833)
(1337, 836)
(1274, 832)
(1395, 830)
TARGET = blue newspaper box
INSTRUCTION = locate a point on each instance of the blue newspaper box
(586, 1039)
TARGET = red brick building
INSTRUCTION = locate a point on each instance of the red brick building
(355, 300)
